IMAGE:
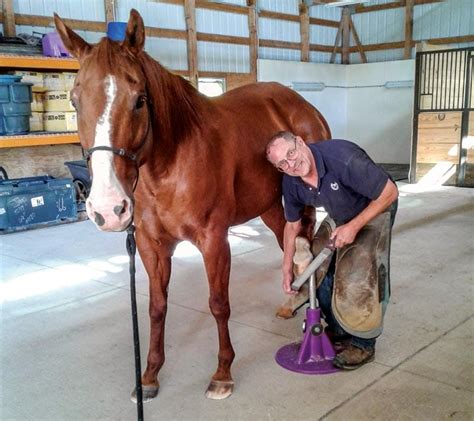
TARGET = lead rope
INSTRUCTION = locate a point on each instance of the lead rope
(131, 250)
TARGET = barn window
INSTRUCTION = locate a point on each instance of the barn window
(211, 87)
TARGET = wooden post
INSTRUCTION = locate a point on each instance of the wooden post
(8, 18)
(253, 35)
(304, 31)
(191, 40)
(336, 43)
(408, 28)
(357, 41)
(346, 17)
(109, 6)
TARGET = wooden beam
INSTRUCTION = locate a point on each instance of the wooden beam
(336, 43)
(294, 18)
(408, 28)
(109, 6)
(82, 25)
(357, 41)
(205, 4)
(377, 7)
(279, 44)
(253, 34)
(8, 18)
(191, 40)
(391, 5)
(304, 31)
(324, 22)
(346, 36)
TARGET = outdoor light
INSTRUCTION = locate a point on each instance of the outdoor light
(395, 84)
(308, 86)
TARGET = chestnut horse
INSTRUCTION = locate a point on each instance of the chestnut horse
(201, 163)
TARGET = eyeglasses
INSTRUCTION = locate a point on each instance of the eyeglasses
(284, 165)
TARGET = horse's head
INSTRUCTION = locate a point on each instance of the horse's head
(114, 119)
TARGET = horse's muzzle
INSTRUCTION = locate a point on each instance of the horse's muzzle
(109, 216)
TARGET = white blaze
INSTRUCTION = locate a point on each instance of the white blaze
(105, 182)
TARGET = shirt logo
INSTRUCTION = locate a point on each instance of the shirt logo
(334, 186)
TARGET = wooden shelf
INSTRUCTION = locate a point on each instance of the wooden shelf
(37, 139)
(37, 62)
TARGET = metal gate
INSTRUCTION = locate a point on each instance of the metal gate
(443, 118)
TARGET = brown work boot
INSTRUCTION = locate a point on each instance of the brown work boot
(339, 341)
(353, 357)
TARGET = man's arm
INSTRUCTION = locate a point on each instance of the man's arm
(290, 233)
(345, 234)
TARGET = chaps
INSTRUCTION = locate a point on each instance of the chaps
(362, 281)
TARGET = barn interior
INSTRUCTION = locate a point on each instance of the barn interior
(394, 77)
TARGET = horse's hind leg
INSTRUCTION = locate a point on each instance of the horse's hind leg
(274, 219)
(216, 252)
(157, 262)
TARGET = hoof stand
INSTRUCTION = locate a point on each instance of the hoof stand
(149, 393)
(218, 389)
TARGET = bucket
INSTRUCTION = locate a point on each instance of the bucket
(15, 105)
(116, 30)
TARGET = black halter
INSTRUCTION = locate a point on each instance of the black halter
(122, 152)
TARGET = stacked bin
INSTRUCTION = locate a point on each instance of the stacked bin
(15, 105)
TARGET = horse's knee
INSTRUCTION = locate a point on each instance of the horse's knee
(219, 309)
(157, 313)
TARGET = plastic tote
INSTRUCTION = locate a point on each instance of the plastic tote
(15, 105)
(34, 202)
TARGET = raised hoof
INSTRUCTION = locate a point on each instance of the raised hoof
(219, 389)
(148, 392)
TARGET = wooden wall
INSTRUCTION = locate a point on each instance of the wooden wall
(439, 141)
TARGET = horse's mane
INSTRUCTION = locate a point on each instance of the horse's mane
(176, 103)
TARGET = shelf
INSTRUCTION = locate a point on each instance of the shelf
(37, 62)
(37, 139)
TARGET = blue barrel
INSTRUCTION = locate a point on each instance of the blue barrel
(116, 30)
(15, 105)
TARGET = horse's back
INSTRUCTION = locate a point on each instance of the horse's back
(270, 107)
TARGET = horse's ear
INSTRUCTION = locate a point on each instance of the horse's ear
(135, 34)
(73, 42)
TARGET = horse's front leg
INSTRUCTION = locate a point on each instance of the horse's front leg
(216, 253)
(156, 258)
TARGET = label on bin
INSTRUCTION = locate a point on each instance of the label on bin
(37, 201)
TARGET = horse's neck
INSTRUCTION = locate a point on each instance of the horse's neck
(177, 106)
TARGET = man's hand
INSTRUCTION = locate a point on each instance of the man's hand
(287, 281)
(344, 235)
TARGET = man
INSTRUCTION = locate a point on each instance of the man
(357, 194)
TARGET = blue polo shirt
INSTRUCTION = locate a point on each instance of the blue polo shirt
(348, 181)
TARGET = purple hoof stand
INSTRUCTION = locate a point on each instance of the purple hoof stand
(314, 354)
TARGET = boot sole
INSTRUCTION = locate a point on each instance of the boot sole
(344, 366)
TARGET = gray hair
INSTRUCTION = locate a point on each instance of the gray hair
(285, 135)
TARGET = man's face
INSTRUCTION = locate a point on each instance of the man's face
(290, 157)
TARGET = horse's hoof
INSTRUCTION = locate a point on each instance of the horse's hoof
(285, 313)
(148, 393)
(219, 389)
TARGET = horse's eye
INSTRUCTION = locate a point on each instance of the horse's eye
(141, 101)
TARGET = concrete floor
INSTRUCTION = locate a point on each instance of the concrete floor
(66, 344)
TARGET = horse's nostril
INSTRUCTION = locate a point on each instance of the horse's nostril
(120, 209)
(99, 219)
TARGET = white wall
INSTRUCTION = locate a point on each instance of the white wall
(330, 102)
(380, 119)
(355, 102)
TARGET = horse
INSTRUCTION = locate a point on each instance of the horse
(180, 166)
